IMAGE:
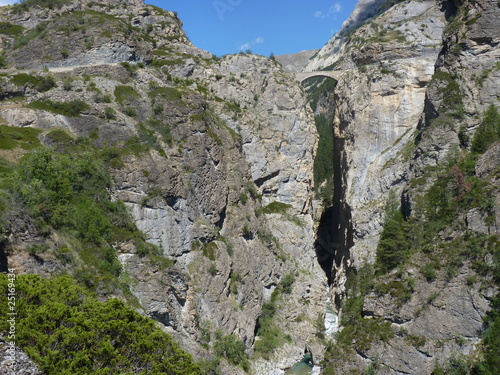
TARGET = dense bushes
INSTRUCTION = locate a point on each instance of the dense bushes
(323, 162)
(488, 132)
(270, 336)
(69, 194)
(67, 331)
(393, 247)
(72, 108)
(231, 348)
(60, 189)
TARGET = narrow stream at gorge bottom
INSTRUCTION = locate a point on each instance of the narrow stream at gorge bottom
(307, 366)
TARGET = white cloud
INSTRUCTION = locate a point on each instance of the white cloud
(335, 8)
(7, 2)
(246, 46)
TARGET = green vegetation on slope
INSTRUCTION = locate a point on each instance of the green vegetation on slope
(13, 137)
(323, 163)
(320, 89)
(488, 132)
(65, 330)
(270, 335)
(68, 194)
(456, 190)
(358, 332)
(24, 5)
(72, 108)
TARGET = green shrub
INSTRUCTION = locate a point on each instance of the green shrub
(3, 61)
(13, 137)
(429, 271)
(275, 208)
(452, 94)
(491, 342)
(162, 128)
(488, 132)
(45, 83)
(243, 198)
(212, 270)
(68, 84)
(72, 108)
(60, 137)
(231, 348)
(129, 111)
(286, 283)
(210, 249)
(270, 336)
(394, 246)
(125, 93)
(109, 113)
(65, 330)
(167, 93)
(24, 79)
(7, 28)
(24, 5)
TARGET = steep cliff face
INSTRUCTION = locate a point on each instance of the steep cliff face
(419, 80)
(388, 63)
(213, 159)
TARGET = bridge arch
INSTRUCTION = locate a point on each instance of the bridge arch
(335, 74)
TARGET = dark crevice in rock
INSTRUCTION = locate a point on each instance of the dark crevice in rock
(260, 181)
(222, 217)
(171, 201)
(334, 237)
(405, 205)
(325, 245)
(450, 9)
(163, 318)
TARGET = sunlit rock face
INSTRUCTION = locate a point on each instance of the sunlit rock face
(389, 61)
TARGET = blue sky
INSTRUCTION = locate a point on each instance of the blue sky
(262, 26)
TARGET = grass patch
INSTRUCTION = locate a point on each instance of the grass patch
(7, 28)
(166, 93)
(125, 93)
(282, 209)
(24, 79)
(72, 108)
(231, 348)
(12, 137)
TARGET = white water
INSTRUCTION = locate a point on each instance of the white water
(331, 321)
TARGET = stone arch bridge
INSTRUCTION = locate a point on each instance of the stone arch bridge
(335, 74)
